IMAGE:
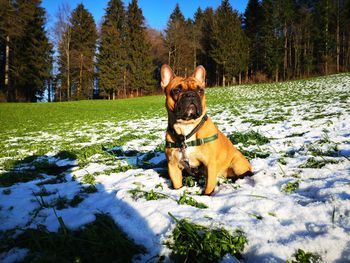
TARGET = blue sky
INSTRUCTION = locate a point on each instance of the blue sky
(156, 12)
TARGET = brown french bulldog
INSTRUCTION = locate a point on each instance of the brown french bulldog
(192, 139)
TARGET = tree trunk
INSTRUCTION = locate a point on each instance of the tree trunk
(68, 75)
(276, 74)
(326, 38)
(80, 86)
(49, 90)
(11, 95)
(285, 62)
(124, 83)
(338, 39)
(223, 75)
(246, 75)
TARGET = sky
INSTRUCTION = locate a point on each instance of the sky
(156, 12)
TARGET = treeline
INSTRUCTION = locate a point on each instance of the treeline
(272, 40)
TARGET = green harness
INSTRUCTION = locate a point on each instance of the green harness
(196, 142)
(180, 140)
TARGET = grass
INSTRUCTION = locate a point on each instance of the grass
(196, 243)
(300, 256)
(290, 187)
(317, 163)
(28, 117)
(99, 241)
(248, 138)
(185, 199)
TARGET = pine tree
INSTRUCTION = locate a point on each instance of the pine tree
(325, 40)
(111, 58)
(229, 42)
(139, 61)
(207, 46)
(180, 52)
(196, 38)
(252, 26)
(27, 60)
(36, 55)
(272, 41)
(83, 45)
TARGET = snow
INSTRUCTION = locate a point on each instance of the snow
(315, 217)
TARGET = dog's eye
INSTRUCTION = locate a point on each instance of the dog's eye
(200, 91)
(177, 90)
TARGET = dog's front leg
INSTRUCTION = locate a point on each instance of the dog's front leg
(175, 174)
(211, 179)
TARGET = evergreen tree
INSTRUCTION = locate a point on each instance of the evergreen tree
(111, 58)
(252, 26)
(324, 33)
(139, 61)
(36, 55)
(206, 44)
(272, 41)
(198, 55)
(27, 52)
(83, 45)
(229, 42)
(180, 52)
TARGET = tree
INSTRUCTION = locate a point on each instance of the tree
(112, 51)
(178, 42)
(206, 45)
(139, 62)
(63, 30)
(27, 60)
(252, 26)
(272, 41)
(229, 42)
(325, 40)
(83, 45)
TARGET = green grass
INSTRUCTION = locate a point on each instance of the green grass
(248, 138)
(185, 199)
(99, 241)
(290, 187)
(300, 256)
(317, 163)
(196, 243)
(29, 117)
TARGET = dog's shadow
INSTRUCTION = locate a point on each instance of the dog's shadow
(154, 159)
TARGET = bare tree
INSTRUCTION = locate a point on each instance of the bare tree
(62, 31)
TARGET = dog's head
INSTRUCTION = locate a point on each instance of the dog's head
(185, 97)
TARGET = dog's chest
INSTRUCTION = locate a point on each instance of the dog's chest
(189, 155)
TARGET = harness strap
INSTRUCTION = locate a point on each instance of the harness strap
(196, 142)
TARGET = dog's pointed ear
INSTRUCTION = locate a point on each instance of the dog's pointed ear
(166, 74)
(199, 74)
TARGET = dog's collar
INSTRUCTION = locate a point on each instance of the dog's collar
(196, 142)
(180, 140)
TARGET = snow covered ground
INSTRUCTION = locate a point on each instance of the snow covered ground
(307, 124)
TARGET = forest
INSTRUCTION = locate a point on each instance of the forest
(76, 59)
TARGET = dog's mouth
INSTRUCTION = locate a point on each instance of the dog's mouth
(188, 107)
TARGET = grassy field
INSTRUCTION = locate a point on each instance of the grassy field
(99, 164)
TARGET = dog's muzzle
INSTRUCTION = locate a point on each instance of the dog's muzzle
(188, 106)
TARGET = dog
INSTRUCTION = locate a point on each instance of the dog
(192, 139)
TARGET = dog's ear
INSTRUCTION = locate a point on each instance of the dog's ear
(199, 74)
(166, 74)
